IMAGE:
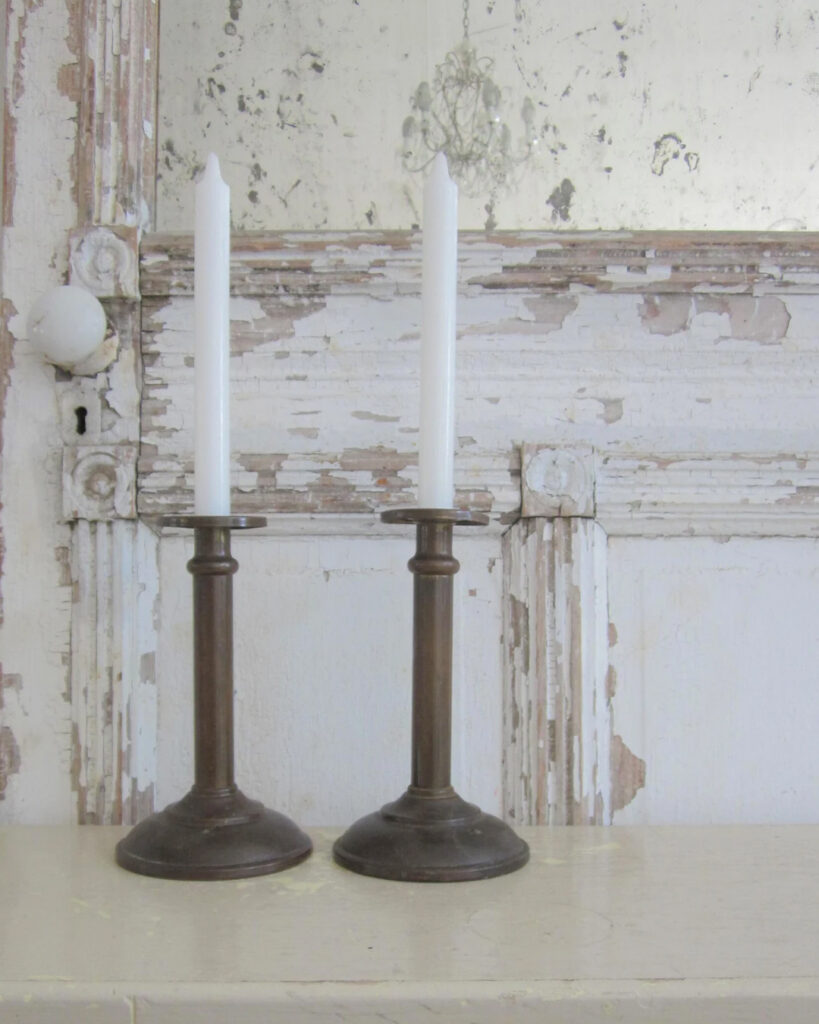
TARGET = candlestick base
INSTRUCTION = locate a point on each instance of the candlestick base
(430, 837)
(211, 836)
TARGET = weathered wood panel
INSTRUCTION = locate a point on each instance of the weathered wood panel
(114, 558)
(675, 494)
(557, 729)
(82, 155)
(41, 110)
(681, 345)
(634, 262)
(676, 354)
(118, 67)
(113, 686)
(716, 494)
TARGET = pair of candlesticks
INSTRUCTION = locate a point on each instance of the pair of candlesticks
(429, 834)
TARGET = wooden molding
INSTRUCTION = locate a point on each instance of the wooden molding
(640, 262)
(115, 575)
(628, 493)
(114, 559)
(337, 492)
(708, 494)
(557, 726)
(554, 339)
(116, 166)
(676, 493)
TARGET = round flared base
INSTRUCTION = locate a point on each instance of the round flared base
(210, 836)
(425, 837)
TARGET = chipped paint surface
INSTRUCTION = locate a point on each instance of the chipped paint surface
(713, 493)
(39, 210)
(557, 729)
(613, 341)
(116, 145)
(113, 670)
(77, 149)
(653, 115)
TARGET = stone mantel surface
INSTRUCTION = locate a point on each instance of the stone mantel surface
(625, 924)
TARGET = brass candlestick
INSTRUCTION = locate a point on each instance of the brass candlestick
(430, 834)
(215, 831)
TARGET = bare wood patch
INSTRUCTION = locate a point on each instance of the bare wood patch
(10, 681)
(9, 758)
(628, 774)
(15, 36)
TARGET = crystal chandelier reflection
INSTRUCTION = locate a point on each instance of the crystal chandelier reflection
(460, 115)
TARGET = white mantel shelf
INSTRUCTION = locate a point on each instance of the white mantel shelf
(677, 925)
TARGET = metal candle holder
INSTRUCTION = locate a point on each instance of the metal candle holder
(430, 834)
(215, 831)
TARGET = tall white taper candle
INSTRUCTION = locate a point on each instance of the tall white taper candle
(212, 343)
(436, 443)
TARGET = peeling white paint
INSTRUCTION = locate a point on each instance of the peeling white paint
(35, 644)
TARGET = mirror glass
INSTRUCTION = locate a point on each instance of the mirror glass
(570, 114)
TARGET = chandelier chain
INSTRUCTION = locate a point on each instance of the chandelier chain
(466, 19)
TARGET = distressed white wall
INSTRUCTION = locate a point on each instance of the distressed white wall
(649, 115)
(715, 647)
(325, 87)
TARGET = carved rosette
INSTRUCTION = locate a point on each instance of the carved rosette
(557, 482)
(105, 261)
(99, 483)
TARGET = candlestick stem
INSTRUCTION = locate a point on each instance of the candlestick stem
(212, 568)
(434, 568)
